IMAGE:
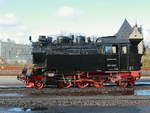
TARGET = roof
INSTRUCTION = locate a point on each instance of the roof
(113, 39)
(124, 30)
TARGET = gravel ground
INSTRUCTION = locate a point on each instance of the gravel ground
(28, 97)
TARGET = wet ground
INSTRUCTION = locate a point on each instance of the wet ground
(14, 98)
(93, 109)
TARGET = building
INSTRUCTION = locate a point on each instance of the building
(12, 52)
(126, 32)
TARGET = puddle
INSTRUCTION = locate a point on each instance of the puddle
(142, 83)
(23, 109)
(11, 94)
(19, 109)
(142, 92)
(130, 92)
(12, 86)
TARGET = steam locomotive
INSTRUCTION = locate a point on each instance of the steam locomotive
(79, 61)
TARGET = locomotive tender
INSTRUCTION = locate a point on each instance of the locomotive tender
(81, 61)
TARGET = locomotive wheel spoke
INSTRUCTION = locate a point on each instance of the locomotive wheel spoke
(83, 84)
(39, 85)
(66, 83)
(123, 84)
(26, 81)
(131, 84)
(99, 85)
(29, 84)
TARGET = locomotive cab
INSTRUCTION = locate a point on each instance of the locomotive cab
(116, 53)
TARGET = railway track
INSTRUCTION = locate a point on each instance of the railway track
(17, 96)
(107, 96)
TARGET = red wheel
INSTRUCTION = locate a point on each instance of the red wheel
(29, 84)
(98, 85)
(123, 84)
(83, 84)
(131, 84)
(39, 85)
(66, 82)
(64, 85)
(26, 80)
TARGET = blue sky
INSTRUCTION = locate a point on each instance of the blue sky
(21, 18)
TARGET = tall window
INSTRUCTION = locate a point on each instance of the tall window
(124, 49)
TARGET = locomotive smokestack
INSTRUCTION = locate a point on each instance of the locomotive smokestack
(72, 37)
(30, 38)
(89, 39)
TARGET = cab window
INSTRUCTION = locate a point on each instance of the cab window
(124, 49)
(110, 49)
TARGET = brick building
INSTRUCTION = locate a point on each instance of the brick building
(12, 52)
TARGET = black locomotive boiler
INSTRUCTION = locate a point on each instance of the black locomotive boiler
(79, 61)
